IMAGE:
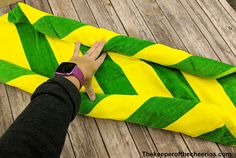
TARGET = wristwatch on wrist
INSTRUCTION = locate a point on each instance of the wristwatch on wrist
(70, 69)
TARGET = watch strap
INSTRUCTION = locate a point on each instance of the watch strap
(78, 74)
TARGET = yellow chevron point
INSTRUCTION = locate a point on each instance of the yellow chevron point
(32, 14)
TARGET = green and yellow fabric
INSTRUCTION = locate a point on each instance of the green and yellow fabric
(140, 81)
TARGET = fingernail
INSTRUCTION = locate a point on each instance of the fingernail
(96, 44)
(93, 97)
(78, 43)
(103, 40)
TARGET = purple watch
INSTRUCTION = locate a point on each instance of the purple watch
(68, 69)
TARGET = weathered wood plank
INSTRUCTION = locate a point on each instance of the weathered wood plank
(42, 5)
(228, 8)
(5, 111)
(187, 31)
(84, 132)
(4, 3)
(209, 31)
(222, 21)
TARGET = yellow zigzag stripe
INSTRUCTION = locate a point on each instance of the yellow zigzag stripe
(88, 35)
(159, 53)
(118, 107)
(29, 10)
(141, 76)
(145, 86)
(11, 48)
(204, 116)
(28, 82)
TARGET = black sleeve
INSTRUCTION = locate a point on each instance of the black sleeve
(40, 129)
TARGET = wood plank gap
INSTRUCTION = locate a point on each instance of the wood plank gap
(102, 137)
(70, 140)
(200, 29)
(9, 102)
(217, 48)
(4, 3)
(228, 8)
(216, 28)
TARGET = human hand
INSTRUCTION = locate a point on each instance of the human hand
(89, 64)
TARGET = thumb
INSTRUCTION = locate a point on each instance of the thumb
(89, 89)
(77, 49)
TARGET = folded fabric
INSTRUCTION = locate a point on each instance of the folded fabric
(140, 81)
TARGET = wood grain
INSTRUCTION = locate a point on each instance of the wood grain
(4, 3)
(5, 111)
(223, 22)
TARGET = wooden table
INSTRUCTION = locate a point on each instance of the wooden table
(202, 27)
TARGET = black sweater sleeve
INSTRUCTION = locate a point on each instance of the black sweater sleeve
(40, 129)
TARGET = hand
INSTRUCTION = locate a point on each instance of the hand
(88, 64)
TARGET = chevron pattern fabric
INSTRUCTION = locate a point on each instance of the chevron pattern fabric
(140, 81)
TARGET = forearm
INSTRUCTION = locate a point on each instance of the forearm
(40, 129)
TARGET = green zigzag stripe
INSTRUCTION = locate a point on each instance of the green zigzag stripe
(126, 45)
(55, 26)
(229, 85)
(37, 49)
(115, 82)
(174, 82)
(88, 105)
(159, 112)
(11, 71)
(203, 67)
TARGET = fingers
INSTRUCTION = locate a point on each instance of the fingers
(77, 49)
(92, 49)
(95, 51)
(98, 49)
(89, 90)
(101, 59)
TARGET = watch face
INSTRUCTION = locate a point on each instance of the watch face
(65, 67)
